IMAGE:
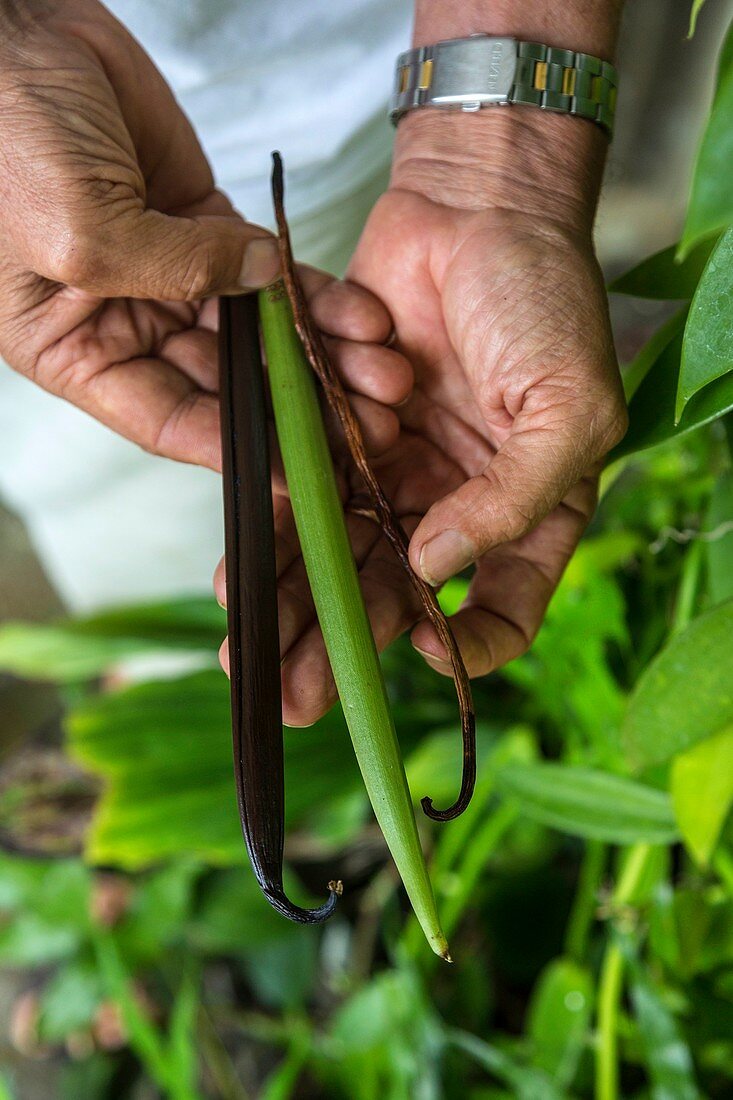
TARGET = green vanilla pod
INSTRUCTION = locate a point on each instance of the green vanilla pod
(329, 562)
(384, 513)
(254, 649)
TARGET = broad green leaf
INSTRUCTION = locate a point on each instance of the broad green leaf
(652, 408)
(636, 371)
(711, 203)
(664, 277)
(40, 652)
(707, 346)
(702, 792)
(686, 694)
(590, 804)
(559, 1016)
(694, 12)
(80, 649)
(725, 59)
(666, 1055)
(719, 540)
(192, 622)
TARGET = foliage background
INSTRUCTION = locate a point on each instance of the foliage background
(588, 891)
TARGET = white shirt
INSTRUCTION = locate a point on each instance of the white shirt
(310, 78)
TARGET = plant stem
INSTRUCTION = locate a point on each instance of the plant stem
(684, 611)
(723, 867)
(728, 426)
(586, 895)
(347, 633)
(611, 979)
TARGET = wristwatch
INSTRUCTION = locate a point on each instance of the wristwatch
(483, 71)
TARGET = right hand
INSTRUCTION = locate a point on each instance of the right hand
(112, 235)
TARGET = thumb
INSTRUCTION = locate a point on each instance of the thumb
(148, 254)
(527, 477)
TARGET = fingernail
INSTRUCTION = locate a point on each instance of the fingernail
(444, 556)
(439, 662)
(261, 263)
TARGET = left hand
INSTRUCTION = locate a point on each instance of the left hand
(498, 304)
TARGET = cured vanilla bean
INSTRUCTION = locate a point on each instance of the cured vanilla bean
(254, 648)
(336, 396)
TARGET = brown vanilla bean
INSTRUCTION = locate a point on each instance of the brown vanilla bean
(254, 647)
(336, 396)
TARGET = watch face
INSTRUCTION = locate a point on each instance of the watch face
(472, 71)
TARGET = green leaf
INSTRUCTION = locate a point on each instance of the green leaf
(711, 203)
(686, 693)
(590, 804)
(652, 408)
(164, 751)
(79, 649)
(195, 622)
(70, 1001)
(663, 276)
(636, 371)
(694, 12)
(38, 652)
(719, 543)
(702, 792)
(559, 1016)
(725, 59)
(707, 346)
(666, 1055)
(526, 1082)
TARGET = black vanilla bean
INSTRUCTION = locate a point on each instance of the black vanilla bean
(254, 649)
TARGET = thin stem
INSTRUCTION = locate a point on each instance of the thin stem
(611, 979)
(728, 426)
(684, 611)
(723, 866)
(586, 896)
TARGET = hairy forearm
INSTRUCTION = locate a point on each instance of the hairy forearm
(518, 156)
(588, 26)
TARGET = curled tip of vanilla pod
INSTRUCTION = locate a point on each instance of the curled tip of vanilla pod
(254, 644)
(389, 522)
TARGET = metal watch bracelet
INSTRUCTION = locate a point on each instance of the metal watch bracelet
(484, 71)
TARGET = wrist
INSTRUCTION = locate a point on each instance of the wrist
(520, 158)
(588, 26)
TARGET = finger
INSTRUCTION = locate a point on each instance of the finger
(194, 351)
(220, 583)
(345, 309)
(510, 590)
(380, 426)
(372, 370)
(492, 629)
(549, 449)
(149, 254)
(156, 406)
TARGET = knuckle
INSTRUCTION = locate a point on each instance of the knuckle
(612, 426)
(77, 258)
(197, 274)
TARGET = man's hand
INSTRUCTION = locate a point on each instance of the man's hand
(497, 302)
(112, 234)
